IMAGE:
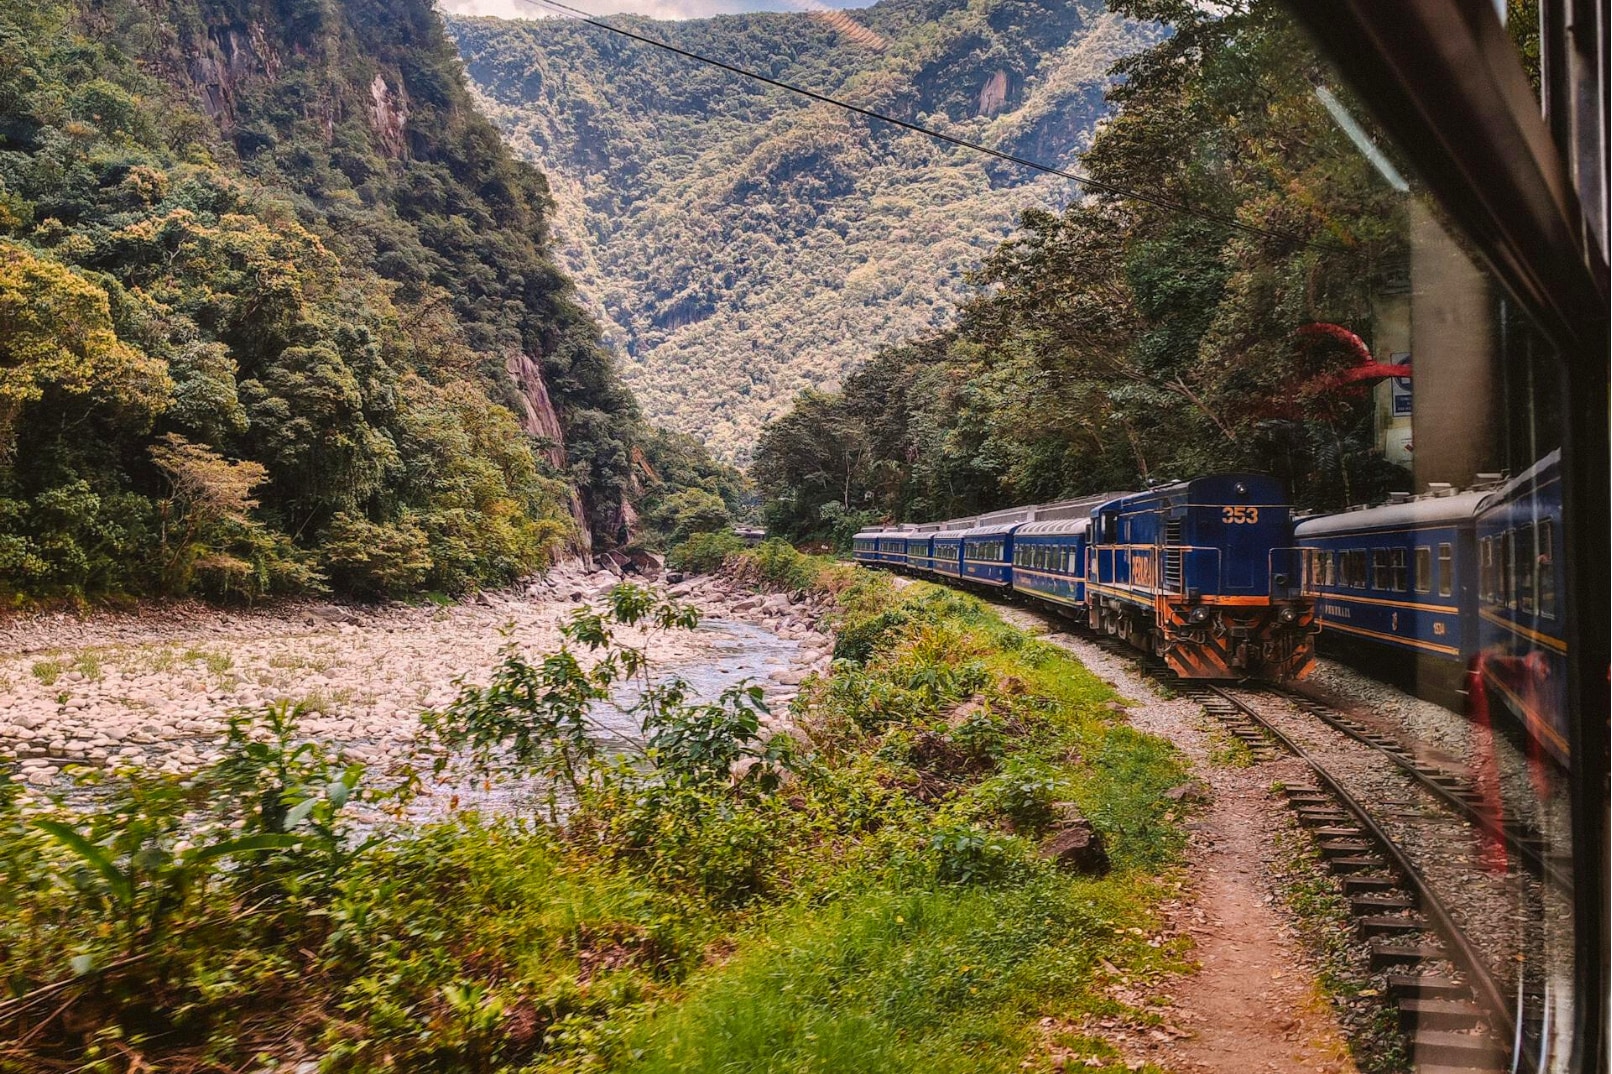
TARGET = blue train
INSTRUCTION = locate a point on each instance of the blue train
(1468, 584)
(1400, 576)
(1201, 573)
(1215, 576)
(1520, 669)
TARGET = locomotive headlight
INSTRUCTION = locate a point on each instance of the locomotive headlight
(1198, 615)
(1288, 615)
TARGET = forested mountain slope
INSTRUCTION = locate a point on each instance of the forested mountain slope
(743, 243)
(1123, 342)
(277, 310)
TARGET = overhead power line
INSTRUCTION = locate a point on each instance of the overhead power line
(1087, 181)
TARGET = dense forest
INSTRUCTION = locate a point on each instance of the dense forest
(741, 243)
(278, 312)
(1127, 340)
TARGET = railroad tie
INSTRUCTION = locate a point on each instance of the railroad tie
(1356, 863)
(1462, 1051)
(1388, 925)
(1409, 986)
(1458, 1014)
(1385, 953)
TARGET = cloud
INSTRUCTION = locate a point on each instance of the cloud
(655, 9)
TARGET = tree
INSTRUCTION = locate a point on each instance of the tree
(208, 508)
(56, 335)
(690, 511)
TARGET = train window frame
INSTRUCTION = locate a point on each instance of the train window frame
(1424, 568)
(1545, 568)
(1397, 579)
(1331, 570)
(1446, 569)
(1526, 570)
(1378, 578)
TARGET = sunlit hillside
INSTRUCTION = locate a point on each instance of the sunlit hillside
(741, 243)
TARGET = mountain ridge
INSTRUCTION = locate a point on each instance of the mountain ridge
(740, 244)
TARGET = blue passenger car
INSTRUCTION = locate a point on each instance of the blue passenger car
(920, 553)
(865, 547)
(893, 548)
(1049, 561)
(988, 555)
(1203, 573)
(946, 551)
(1398, 578)
(1520, 672)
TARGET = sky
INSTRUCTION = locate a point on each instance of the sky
(659, 9)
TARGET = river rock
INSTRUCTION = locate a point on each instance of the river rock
(1191, 791)
(1076, 847)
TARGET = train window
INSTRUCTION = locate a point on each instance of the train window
(1396, 569)
(1331, 572)
(1545, 569)
(1379, 568)
(1446, 569)
(1486, 570)
(1523, 547)
(1506, 562)
(1424, 569)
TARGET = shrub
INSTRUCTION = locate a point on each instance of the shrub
(375, 558)
(704, 553)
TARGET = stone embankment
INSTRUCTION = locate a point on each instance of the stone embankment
(156, 690)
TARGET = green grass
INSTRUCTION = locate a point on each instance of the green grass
(214, 660)
(47, 671)
(937, 979)
(882, 911)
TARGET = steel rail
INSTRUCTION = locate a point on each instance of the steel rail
(1482, 980)
(1513, 839)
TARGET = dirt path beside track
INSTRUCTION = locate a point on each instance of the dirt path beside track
(1255, 1004)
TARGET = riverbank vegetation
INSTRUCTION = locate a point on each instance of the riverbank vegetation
(278, 313)
(865, 892)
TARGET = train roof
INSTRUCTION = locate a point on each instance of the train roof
(1540, 474)
(1418, 513)
(1194, 487)
(1054, 527)
(1078, 507)
(995, 530)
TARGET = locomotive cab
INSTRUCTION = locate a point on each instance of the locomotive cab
(1203, 574)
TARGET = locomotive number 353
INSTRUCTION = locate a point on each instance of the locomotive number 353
(1239, 516)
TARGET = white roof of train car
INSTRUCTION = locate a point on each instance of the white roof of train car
(1057, 526)
(1419, 513)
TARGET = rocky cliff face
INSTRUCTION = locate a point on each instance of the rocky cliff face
(541, 421)
(741, 244)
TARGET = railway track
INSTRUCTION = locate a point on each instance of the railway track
(1385, 823)
(1453, 1006)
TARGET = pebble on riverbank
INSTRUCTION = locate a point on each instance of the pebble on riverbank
(156, 691)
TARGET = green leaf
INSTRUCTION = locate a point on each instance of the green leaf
(299, 813)
(248, 844)
(96, 856)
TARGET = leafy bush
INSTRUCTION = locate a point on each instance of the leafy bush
(704, 553)
(375, 559)
(963, 854)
